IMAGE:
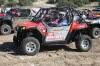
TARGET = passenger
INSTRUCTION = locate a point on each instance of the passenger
(60, 20)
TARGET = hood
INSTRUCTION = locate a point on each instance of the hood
(28, 25)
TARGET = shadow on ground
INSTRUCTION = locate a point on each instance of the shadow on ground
(10, 49)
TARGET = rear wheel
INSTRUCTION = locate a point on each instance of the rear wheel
(5, 29)
(95, 33)
(30, 46)
(84, 43)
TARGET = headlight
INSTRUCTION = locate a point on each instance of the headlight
(20, 28)
(23, 28)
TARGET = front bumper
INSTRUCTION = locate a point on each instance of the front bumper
(18, 30)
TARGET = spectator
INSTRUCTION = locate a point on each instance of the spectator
(84, 16)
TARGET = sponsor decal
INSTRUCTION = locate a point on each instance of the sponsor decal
(60, 37)
(58, 29)
(50, 34)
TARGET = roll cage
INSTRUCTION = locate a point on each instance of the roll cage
(44, 11)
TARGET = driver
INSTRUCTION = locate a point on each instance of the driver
(62, 21)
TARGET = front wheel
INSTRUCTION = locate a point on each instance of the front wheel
(84, 43)
(30, 46)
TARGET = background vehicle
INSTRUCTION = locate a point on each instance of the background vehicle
(31, 35)
(21, 12)
(96, 12)
(12, 18)
(93, 23)
(94, 26)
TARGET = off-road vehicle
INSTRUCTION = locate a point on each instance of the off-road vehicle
(12, 18)
(43, 30)
(96, 12)
(94, 27)
(93, 23)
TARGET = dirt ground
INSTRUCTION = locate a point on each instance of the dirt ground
(48, 56)
(42, 3)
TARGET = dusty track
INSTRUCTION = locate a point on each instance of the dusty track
(42, 3)
(48, 56)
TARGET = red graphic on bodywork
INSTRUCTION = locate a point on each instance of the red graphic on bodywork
(50, 34)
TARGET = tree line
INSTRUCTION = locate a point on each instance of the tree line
(72, 3)
(11, 3)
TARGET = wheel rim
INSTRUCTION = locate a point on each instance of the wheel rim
(96, 34)
(5, 30)
(85, 44)
(30, 47)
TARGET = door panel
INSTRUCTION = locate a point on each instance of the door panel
(57, 33)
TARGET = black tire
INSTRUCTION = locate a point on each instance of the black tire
(16, 42)
(84, 43)
(26, 46)
(95, 33)
(5, 29)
